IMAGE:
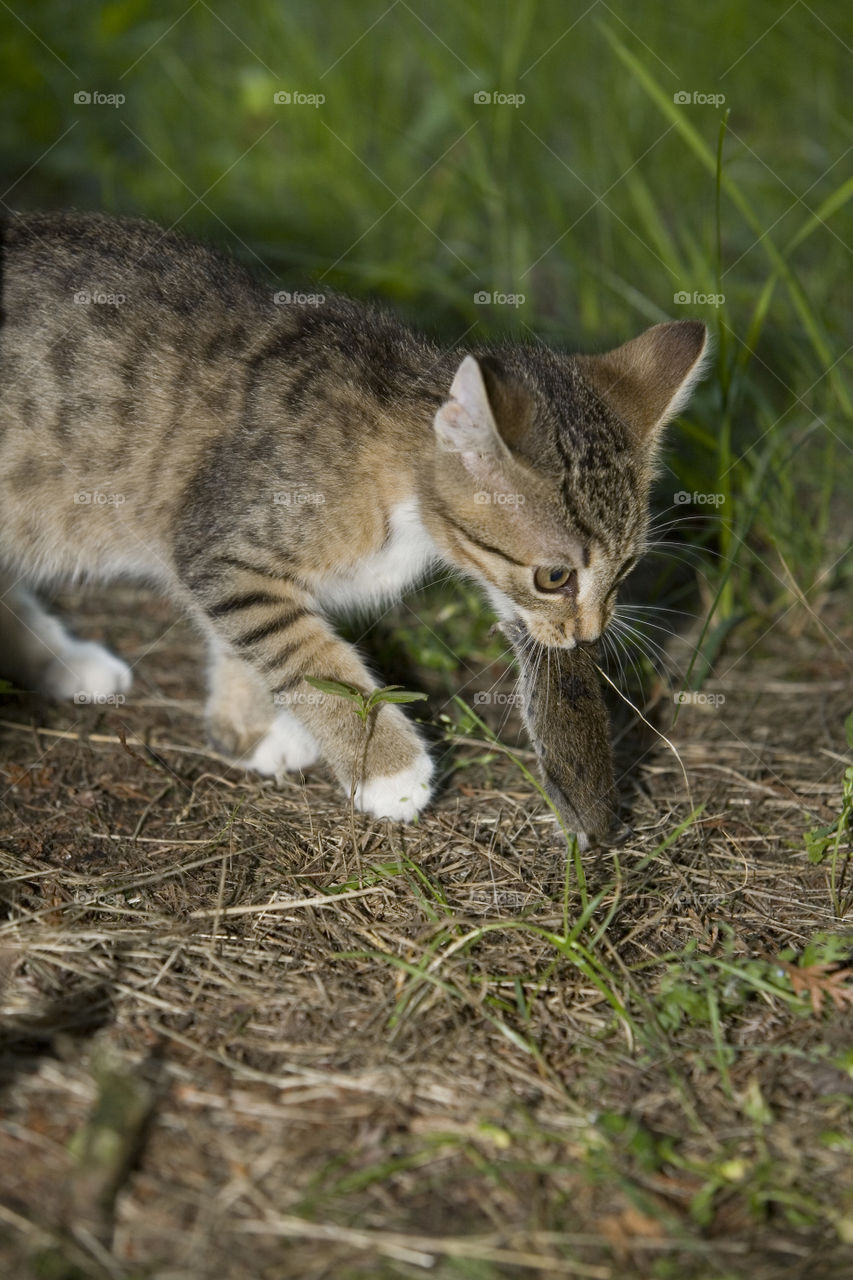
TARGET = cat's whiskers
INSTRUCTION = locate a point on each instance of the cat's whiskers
(548, 653)
(637, 624)
(643, 639)
(651, 609)
(652, 652)
(674, 522)
(613, 653)
(619, 640)
(516, 698)
(619, 653)
(537, 652)
(681, 550)
(528, 644)
(647, 645)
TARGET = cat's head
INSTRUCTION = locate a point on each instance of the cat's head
(543, 464)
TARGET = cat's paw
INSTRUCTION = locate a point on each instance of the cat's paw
(85, 672)
(237, 732)
(287, 745)
(398, 795)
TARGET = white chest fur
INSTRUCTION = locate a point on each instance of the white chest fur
(405, 557)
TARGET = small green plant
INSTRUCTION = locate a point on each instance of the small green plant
(365, 706)
(697, 989)
(365, 703)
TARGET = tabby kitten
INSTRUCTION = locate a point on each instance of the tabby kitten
(270, 466)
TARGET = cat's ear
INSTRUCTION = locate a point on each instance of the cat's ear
(465, 423)
(649, 379)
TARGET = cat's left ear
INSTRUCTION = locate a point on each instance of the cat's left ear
(465, 423)
(648, 380)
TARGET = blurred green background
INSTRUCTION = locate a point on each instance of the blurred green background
(600, 197)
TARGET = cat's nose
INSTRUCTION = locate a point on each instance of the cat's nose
(589, 626)
(588, 630)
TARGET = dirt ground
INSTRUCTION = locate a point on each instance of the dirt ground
(248, 1034)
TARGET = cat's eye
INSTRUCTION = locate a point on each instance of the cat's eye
(555, 579)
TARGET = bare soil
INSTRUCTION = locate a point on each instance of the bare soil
(246, 1033)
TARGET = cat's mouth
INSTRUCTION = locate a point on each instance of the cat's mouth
(552, 635)
(560, 635)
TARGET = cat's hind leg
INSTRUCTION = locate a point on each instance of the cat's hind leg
(37, 653)
(243, 721)
(287, 744)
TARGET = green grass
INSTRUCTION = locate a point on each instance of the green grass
(831, 844)
(598, 199)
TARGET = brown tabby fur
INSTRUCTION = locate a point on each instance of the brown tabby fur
(249, 457)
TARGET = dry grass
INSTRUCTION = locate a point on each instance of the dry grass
(236, 1043)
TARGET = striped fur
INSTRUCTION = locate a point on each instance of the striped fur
(270, 466)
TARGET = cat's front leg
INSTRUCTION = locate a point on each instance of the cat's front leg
(272, 630)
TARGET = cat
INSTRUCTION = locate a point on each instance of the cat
(271, 464)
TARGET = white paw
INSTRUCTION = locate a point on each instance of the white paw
(286, 745)
(397, 795)
(86, 672)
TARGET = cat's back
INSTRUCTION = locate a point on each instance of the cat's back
(135, 361)
(122, 352)
(76, 259)
(83, 292)
(115, 331)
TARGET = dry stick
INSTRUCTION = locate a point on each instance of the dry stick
(290, 904)
(424, 1250)
(113, 740)
(220, 898)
